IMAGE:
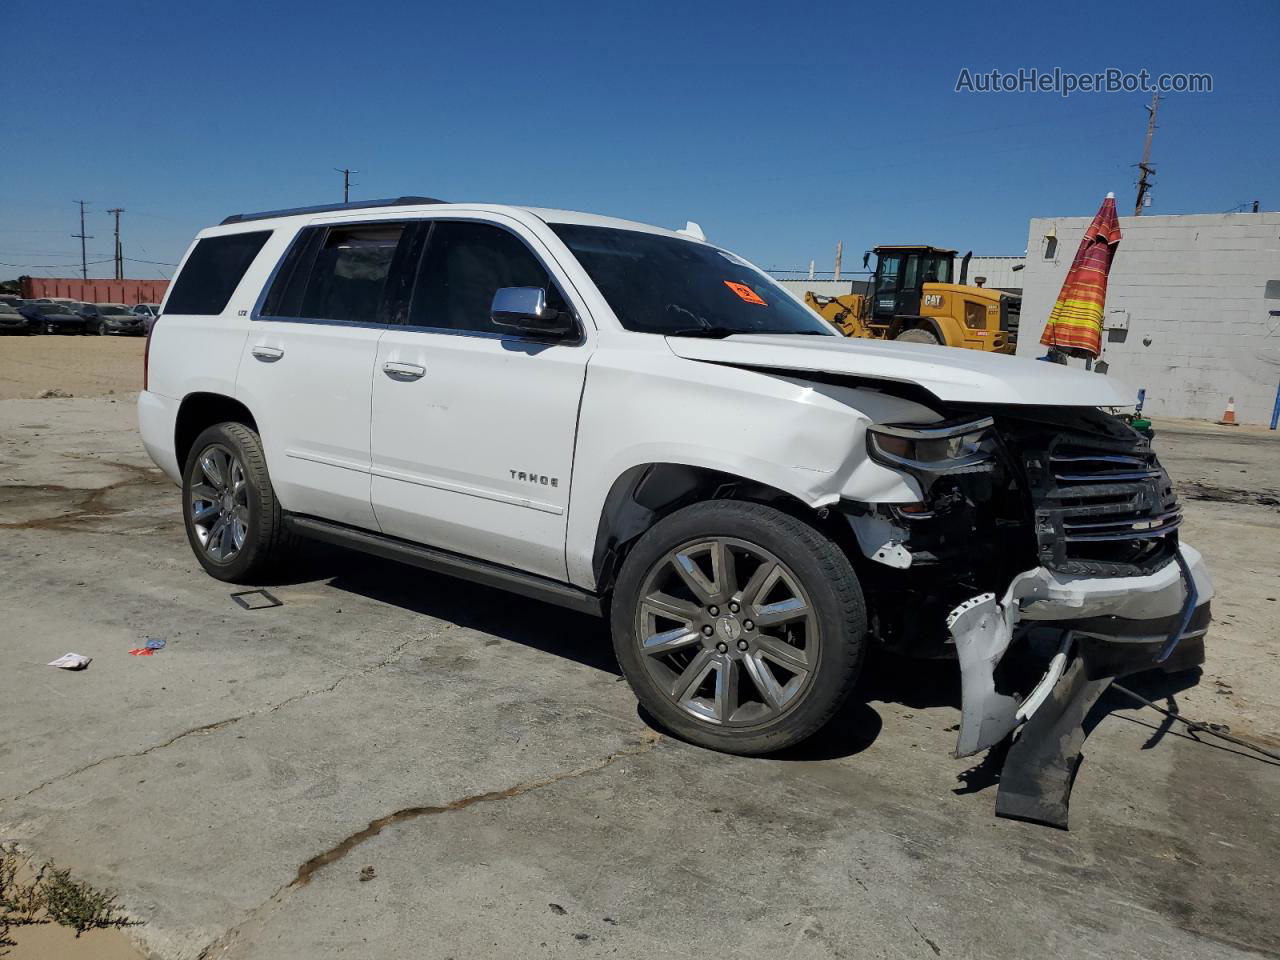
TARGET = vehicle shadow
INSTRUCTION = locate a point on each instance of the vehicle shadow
(542, 626)
(585, 640)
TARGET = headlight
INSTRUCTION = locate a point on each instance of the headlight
(953, 447)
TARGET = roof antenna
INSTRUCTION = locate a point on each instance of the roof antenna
(693, 231)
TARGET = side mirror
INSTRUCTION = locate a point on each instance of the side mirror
(525, 310)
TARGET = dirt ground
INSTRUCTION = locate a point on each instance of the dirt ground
(51, 941)
(393, 764)
(75, 365)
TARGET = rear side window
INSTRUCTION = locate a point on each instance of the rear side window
(464, 265)
(335, 273)
(213, 271)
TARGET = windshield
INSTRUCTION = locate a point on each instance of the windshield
(47, 308)
(114, 311)
(658, 284)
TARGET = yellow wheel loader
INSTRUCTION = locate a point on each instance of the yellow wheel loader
(911, 297)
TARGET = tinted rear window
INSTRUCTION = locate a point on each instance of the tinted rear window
(213, 271)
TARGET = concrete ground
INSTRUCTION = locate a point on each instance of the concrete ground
(477, 754)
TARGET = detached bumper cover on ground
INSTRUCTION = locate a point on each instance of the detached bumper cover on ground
(1087, 631)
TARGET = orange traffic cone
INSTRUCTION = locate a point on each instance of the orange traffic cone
(1229, 418)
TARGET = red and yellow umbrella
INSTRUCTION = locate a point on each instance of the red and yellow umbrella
(1075, 323)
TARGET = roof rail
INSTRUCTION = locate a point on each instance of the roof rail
(331, 208)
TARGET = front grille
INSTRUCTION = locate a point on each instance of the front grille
(1102, 504)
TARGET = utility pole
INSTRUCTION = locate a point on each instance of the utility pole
(119, 252)
(839, 257)
(1145, 168)
(84, 261)
(346, 182)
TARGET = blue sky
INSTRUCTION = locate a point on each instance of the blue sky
(780, 128)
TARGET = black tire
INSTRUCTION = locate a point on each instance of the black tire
(834, 597)
(918, 335)
(267, 543)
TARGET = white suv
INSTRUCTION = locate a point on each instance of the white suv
(631, 421)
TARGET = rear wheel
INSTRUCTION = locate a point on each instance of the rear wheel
(739, 627)
(233, 519)
(918, 335)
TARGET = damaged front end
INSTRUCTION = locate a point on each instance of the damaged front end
(1046, 542)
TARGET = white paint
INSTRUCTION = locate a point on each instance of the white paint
(947, 373)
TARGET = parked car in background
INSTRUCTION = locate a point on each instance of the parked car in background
(11, 321)
(11, 301)
(118, 318)
(88, 312)
(52, 318)
(149, 312)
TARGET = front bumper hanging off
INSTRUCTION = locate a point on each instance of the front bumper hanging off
(1090, 631)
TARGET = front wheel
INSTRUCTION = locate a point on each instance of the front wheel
(234, 521)
(738, 626)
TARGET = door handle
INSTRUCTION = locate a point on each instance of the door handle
(404, 372)
(267, 354)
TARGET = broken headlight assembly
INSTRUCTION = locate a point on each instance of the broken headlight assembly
(933, 448)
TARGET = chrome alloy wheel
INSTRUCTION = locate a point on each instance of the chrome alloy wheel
(219, 503)
(727, 632)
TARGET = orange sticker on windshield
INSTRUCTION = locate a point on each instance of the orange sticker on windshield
(745, 292)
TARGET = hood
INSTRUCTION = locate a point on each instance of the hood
(951, 374)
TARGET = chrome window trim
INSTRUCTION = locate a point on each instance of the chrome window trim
(256, 313)
(480, 334)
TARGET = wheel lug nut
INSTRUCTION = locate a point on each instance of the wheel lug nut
(722, 647)
(748, 625)
(707, 630)
(714, 611)
(742, 644)
(733, 608)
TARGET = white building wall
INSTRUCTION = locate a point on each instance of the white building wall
(1193, 288)
(825, 288)
(998, 271)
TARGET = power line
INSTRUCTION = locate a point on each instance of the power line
(84, 264)
(51, 266)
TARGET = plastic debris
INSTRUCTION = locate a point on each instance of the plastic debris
(71, 661)
(149, 648)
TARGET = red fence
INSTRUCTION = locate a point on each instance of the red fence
(95, 291)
